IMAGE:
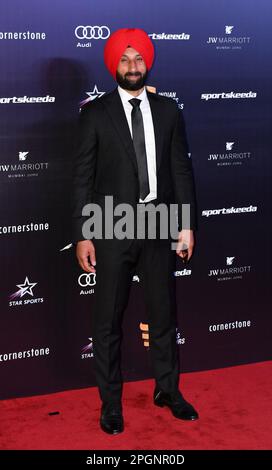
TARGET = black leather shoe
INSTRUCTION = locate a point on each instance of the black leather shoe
(111, 420)
(180, 408)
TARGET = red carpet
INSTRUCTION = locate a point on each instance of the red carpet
(234, 406)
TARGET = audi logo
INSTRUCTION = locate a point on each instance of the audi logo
(92, 32)
(85, 280)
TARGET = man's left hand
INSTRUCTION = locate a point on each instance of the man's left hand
(185, 244)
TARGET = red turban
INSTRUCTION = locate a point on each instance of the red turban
(120, 40)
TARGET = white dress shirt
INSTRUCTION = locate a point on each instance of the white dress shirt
(149, 137)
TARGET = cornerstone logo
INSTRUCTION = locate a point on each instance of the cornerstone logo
(21, 36)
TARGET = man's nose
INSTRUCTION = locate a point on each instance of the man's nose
(132, 66)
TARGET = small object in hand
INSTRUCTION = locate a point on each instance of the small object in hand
(54, 413)
(185, 258)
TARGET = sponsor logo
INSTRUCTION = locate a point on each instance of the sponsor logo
(234, 325)
(183, 272)
(26, 288)
(87, 280)
(144, 328)
(92, 95)
(229, 41)
(25, 354)
(228, 29)
(230, 158)
(171, 37)
(228, 95)
(229, 273)
(88, 33)
(87, 351)
(173, 95)
(229, 145)
(27, 99)
(23, 155)
(21, 36)
(22, 170)
(29, 227)
(67, 247)
(229, 210)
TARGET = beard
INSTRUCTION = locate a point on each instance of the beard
(132, 85)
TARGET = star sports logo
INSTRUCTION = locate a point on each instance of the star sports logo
(25, 288)
(92, 95)
(89, 346)
(87, 351)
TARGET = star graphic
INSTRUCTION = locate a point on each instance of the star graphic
(95, 93)
(89, 346)
(92, 95)
(27, 287)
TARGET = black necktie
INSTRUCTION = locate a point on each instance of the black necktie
(139, 146)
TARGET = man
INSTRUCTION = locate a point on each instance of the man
(131, 146)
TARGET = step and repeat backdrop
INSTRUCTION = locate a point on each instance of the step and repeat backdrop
(213, 58)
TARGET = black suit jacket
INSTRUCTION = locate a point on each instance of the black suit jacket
(105, 161)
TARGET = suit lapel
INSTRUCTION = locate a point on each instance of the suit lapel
(157, 118)
(116, 111)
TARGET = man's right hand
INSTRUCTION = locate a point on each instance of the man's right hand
(85, 253)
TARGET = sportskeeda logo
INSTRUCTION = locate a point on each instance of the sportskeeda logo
(27, 99)
(175, 36)
(228, 95)
(229, 210)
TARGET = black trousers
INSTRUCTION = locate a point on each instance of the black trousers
(115, 266)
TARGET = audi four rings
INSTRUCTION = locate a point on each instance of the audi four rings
(85, 280)
(92, 32)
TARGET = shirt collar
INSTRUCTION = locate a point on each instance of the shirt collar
(125, 96)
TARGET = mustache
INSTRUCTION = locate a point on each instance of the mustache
(131, 74)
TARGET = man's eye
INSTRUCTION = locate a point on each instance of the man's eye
(123, 59)
(139, 59)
